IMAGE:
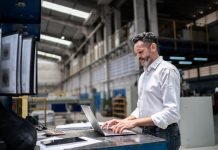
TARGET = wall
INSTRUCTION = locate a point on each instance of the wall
(49, 73)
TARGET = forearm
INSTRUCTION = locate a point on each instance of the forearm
(130, 118)
(147, 121)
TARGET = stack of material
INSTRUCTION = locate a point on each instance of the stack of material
(40, 115)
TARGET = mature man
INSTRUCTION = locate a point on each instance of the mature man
(158, 95)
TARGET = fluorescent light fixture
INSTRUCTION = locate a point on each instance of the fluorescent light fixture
(49, 55)
(177, 58)
(200, 59)
(66, 10)
(185, 62)
(55, 40)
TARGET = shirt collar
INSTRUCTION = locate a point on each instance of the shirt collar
(155, 63)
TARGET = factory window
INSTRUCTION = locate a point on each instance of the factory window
(204, 71)
(193, 73)
(186, 74)
(214, 69)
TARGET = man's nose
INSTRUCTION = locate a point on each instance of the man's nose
(138, 56)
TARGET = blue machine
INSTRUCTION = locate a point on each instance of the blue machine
(22, 16)
(119, 92)
(98, 101)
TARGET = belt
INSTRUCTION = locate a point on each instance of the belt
(155, 128)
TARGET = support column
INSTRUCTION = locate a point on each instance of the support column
(90, 80)
(107, 32)
(98, 36)
(22, 105)
(91, 44)
(107, 26)
(91, 48)
(117, 19)
(117, 25)
(107, 86)
(139, 21)
(79, 76)
(152, 16)
(100, 43)
(139, 16)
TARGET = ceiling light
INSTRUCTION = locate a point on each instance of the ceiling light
(55, 40)
(177, 58)
(66, 10)
(62, 37)
(200, 59)
(49, 55)
(185, 62)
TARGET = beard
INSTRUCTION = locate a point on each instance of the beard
(145, 62)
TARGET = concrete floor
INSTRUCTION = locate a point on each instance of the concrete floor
(63, 118)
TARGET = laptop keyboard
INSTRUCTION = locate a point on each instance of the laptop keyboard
(110, 132)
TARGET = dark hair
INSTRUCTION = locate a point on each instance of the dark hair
(145, 37)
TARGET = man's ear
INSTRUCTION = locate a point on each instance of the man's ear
(153, 47)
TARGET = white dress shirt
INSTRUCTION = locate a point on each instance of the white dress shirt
(159, 94)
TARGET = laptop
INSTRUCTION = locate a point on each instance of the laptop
(90, 116)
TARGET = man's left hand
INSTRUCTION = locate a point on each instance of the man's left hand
(127, 124)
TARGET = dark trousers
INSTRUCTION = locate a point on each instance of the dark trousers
(171, 134)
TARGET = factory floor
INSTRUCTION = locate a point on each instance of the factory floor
(63, 118)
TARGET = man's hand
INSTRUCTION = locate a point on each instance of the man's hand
(124, 124)
(108, 124)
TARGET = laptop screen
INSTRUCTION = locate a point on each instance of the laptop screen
(90, 116)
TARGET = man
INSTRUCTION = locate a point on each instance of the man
(158, 95)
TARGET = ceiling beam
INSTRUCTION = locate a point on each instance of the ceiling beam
(94, 15)
(69, 38)
(45, 47)
(104, 2)
(48, 58)
(86, 3)
(118, 4)
(89, 4)
(62, 22)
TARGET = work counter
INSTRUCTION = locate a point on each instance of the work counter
(130, 142)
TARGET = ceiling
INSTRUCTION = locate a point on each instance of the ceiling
(74, 29)
(57, 24)
(185, 10)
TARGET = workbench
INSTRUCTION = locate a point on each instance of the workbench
(130, 142)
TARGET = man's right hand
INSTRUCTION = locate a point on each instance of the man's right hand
(108, 124)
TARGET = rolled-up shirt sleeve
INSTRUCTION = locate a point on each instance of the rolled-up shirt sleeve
(135, 113)
(170, 92)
